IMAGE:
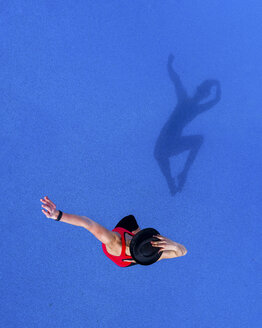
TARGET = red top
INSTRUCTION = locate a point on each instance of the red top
(118, 259)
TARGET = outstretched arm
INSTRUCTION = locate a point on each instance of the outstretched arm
(101, 233)
(180, 90)
(204, 107)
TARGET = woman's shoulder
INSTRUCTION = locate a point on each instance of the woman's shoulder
(117, 244)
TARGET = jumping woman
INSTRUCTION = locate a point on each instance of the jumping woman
(126, 244)
(170, 141)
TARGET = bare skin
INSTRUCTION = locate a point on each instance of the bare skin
(112, 239)
(116, 249)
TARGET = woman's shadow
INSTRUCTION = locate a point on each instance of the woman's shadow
(170, 141)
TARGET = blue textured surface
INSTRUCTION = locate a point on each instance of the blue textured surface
(84, 93)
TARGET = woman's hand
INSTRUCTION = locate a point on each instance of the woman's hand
(50, 208)
(165, 244)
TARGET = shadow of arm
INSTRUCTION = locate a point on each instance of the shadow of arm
(204, 107)
(180, 90)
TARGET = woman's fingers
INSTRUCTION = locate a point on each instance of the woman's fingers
(48, 202)
(46, 199)
(47, 208)
(159, 236)
(158, 243)
(46, 212)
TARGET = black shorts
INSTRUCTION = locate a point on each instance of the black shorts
(128, 222)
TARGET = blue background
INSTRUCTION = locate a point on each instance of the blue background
(84, 93)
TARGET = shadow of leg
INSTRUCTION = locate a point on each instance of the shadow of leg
(164, 165)
(192, 143)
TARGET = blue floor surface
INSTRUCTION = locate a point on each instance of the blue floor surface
(85, 91)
